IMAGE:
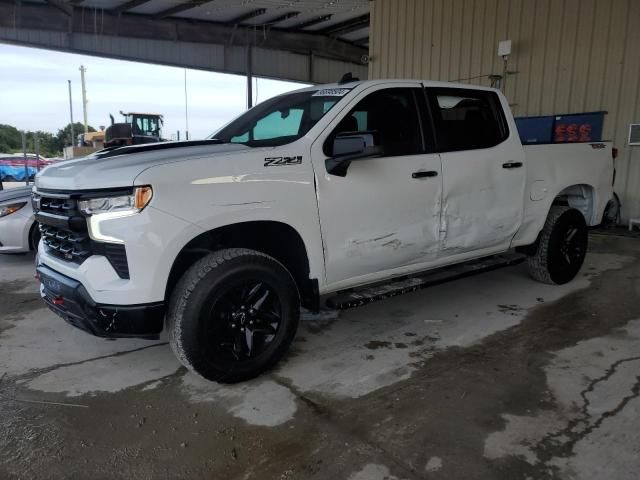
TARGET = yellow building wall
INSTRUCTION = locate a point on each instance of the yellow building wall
(568, 56)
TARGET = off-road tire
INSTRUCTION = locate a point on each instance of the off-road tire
(196, 291)
(547, 264)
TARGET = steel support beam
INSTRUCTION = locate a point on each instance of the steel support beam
(313, 21)
(361, 41)
(348, 26)
(61, 5)
(247, 16)
(131, 4)
(249, 78)
(279, 19)
(181, 7)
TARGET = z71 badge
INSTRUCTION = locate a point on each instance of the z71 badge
(282, 161)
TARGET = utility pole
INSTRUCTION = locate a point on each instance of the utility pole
(84, 98)
(24, 152)
(36, 141)
(71, 114)
(249, 78)
(186, 109)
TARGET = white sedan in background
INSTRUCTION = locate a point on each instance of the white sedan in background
(18, 230)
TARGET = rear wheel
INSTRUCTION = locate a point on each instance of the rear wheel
(561, 248)
(233, 315)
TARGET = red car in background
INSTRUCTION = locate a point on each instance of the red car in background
(12, 166)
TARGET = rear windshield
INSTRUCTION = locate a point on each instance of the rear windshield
(279, 120)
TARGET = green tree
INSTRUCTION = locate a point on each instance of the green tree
(64, 135)
(10, 139)
(50, 145)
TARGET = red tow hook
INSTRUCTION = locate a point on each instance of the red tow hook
(58, 300)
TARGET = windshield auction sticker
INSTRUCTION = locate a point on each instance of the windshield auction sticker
(332, 92)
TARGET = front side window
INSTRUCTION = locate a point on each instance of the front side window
(467, 119)
(278, 121)
(391, 116)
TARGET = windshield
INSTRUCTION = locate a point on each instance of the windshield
(280, 120)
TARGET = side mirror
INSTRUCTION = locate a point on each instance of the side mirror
(350, 147)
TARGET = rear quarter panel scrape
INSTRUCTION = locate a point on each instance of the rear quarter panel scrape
(581, 170)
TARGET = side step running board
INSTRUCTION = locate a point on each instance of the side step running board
(402, 285)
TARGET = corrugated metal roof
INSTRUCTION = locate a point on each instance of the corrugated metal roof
(344, 19)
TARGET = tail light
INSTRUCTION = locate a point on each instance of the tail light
(614, 152)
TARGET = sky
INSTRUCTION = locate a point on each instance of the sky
(34, 93)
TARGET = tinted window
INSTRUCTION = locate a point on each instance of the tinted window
(279, 120)
(275, 125)
(391, 116)
(467, 119)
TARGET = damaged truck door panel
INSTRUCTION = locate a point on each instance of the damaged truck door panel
(381, 214)
(483, 171)
(309, 194)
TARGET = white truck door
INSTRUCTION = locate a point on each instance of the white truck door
(384, 213)
(483, 169)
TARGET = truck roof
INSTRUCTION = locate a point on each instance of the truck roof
(366, 83)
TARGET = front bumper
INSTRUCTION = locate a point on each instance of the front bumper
(69, 299)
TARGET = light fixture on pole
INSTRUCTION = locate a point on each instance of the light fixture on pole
(504, 50)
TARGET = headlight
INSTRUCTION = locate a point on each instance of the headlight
(9, 209)
(132, 203)
(99, 210)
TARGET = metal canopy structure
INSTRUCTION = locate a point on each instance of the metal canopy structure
(312, 41)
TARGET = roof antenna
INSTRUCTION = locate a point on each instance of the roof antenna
(347, 78)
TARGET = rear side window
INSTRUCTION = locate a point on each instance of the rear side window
(467, 119)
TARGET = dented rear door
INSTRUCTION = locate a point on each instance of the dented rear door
(483, 167)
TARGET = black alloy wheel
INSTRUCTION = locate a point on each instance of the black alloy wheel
(233, 315)
(572, 246)
(561, 248)
(243, 320)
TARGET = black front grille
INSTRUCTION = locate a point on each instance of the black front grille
(65, 235)
(64, 229)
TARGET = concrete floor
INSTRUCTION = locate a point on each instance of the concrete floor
(493, 376)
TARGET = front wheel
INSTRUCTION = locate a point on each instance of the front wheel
(233, 315)
(561, 248)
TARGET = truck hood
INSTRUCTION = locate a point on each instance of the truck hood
(119, 167)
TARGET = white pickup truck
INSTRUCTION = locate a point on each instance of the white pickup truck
(310, 194)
